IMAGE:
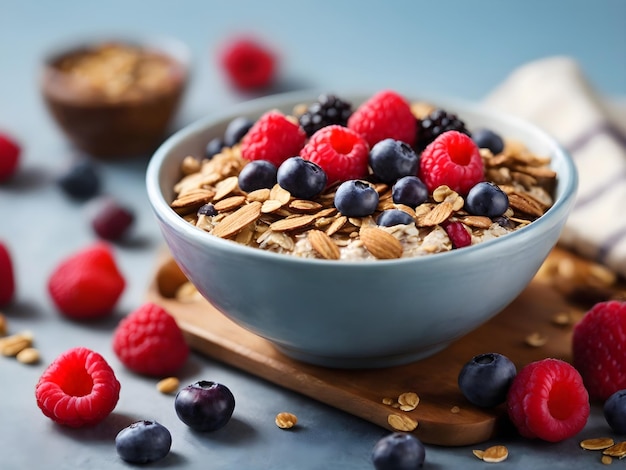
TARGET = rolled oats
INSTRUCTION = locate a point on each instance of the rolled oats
(495, 454)
(598, 443)
(408, 401)
(168, 385)
(401, 422)
(286, 420)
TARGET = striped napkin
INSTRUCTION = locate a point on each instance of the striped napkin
(555, 95)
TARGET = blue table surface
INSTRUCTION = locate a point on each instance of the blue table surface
(458, 48)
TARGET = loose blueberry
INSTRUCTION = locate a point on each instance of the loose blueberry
(398, 451)
(207, 209)
(615, 411)
(410, 191)
(302, 178)
(486, 379)
(205, 406)
(81, 181)
(143, 442)
(486, 199)
(236, 129)
(392, 159)
(487, 139)
(355, 198)
(214, 147)
(257, 174)
(391, 217)
(111, 220)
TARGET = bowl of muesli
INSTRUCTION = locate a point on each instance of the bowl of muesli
(360, 230)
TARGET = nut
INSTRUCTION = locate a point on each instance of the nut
(28, 356)
(168, 385)
(286, 420)
(12, 345)
(408, 401)
(495, 454)
(598, 443)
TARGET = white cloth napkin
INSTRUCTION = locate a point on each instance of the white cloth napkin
(555, 95)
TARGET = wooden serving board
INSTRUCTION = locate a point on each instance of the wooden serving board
(443, 415)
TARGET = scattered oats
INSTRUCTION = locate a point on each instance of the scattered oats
(28, 355)
(388, 401)
(478, 453)
(606, 459)
(536, 339)
(617, 450)
(286, 420)
(599, 443)
(168, 385)
(455, 409)
(408, 401)
(562, 319)
(401, 422)
(495, 454)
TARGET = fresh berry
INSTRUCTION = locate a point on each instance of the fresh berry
(213, 147)
(392, 159)
(356, 198)
(486, 198)
(391, 217)
(398, 451)
(111, 220)
(87, 284)
(548, 400)
(452, 159)
(328, 110)
(205, 406)
(386, 115)
(149, 341)
(274, 138)
(598, 348)
(410, 191)
(249, 65)
(143, 442)
(80, 181)
(435, 124)
(207, 209)
(457, 233)
(78, 388)
(7, 276)
(302, 178)
(10, 152)
(485, 379)
(257, 174)
(488, 139)
(236, 129)
(341, 152)
(615, 411)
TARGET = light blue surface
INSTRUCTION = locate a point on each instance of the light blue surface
(459, 48)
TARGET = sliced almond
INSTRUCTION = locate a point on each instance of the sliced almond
(225, 187)
(229, 203)
(271, 205)
(478, 221)
(302, 205)
(280, 194)
(617, 450)
(292, 223)
(261, 195)
(436, 216)
(336, 225)
(191, 201)
(381, 244)
(598, 443)
(323, 244)
(233, 223)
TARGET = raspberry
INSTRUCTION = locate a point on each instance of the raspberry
(598, 348)
(385, 115)
(88, 284)
(339, 151)
(248, 64)
(78, 388)
(274, 138)
(547, 400)
(458, 234)
(7, 279)
(148, 341)
(452, 159)
(9, 157)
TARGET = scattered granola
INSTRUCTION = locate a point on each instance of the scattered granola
(401, 422)
(168, 385)
(286, 420)
(493, 454)
(536, 339)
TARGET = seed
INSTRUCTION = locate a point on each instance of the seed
(168, 385)
(606, 460)
(286, 420)
(28, 356)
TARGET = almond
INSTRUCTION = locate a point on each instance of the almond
(381, 244)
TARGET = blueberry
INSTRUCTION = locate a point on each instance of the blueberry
(204, 406)
(143, 442)
(214, 147)
(410, 191)
(207, 209)
(302, 178)
(615, 411)
(398, 451)
(236, 129)
(257, 174)
(391, 217)
(355, 198)
(392, 159)
(485, 380)
(81, 181)
(487, 139)
(487, 199)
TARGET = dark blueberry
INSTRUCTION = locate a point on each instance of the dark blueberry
(391, 217)
(81, 181)
(257, 174)
(302, 178)
(236, 129)
(410, 191)
(143, 442)
(326, 111)
(615, 411)
(487, 139)
(204, 406)
(214, 147)
(486, 379)
(207, 209)
(398, 451)
(355, 198)
(504, 221)
(111, 220)
(486, 199)
(392, 159)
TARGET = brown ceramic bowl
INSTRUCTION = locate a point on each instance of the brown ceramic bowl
(116, 98)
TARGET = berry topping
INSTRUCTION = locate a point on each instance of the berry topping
(236, 129)
(615, 411)
(213, 147)
(207, 209)
(452, 159)
(458, 234)
(485, 380)
(487, 199)
(341, 152)
(386, 115)
(398, 451)
(392, 159)
(80, 181)
(356, 198)
(487, 139)
(257, 174)
(78, 388)
(205, 406)
(111, 221)
(7, 277)
(87, 284)
(248, 64)
(410, 191)
(391, 217)
(148, 341)
(547, 400)
(435, 124)
(10, 152)
(274, 138)
(598, 348)
(302, 178)
(143, 442)
(326, 111)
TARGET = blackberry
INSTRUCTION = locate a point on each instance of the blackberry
(435, 124)
(326, 111)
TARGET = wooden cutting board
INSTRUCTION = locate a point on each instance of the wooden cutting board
(443, 415)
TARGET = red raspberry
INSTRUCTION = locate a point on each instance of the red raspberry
(599, 348)
(274, 138)
(148, 341)
(7, 279)
(111, 220)
(452, 159)
(78, 388)
(385, 115)
(458, 234)
(248, 64)
(339, 151)
(547, 400)
(87, 284)
(9, 157)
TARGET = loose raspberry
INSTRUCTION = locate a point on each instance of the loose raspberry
(274, 138)
(547, 400)
(452, 159)
(248, 64)
(148, 341)
(598, 348)
(78, 388)
(385, 115)
(458, 234)
(7, 279)
(9, 157)
(339, 151)
(88, 284)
